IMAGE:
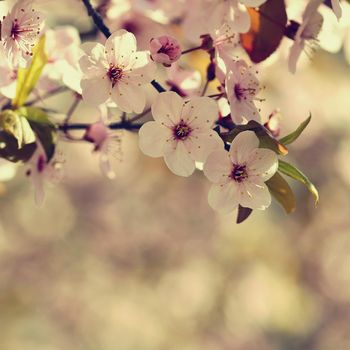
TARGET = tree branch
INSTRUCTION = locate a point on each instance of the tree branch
(123, 125)
(97, 19)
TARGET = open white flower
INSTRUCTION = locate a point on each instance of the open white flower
(181, 132)
(116, 71)
(239, 175)
(20, 31)
(242, 86)
(305, 36)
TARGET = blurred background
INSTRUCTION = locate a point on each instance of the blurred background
(142, 262)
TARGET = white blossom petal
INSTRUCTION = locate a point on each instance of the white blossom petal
(202, 144)
(254, 196)
(152, 138)
(179, 161)
(119, 46)
(95, 91)
(262, 163)
(223, 197)
(242, 145)
(200, 112)
(218, 167)
(167, 108)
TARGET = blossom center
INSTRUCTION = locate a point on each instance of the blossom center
(181, 131)
(17, 30)
(114, 74)
(239, 173)
(242, 93)
(168, 49)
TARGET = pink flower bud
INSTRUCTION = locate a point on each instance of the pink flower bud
(165, 49)
(97, 134)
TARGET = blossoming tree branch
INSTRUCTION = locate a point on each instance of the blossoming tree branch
(224, 134)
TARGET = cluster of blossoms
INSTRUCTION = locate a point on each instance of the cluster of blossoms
(223, 134)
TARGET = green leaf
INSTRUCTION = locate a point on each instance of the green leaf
(282, 192)
(286, 140)
(28, 77)
(266, 139)
(296, 174)
(17, 126)
(43, 128)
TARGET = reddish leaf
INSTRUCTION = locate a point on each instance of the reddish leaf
(267, 30)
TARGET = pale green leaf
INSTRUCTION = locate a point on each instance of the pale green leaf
(17, 126)
(296, 174)
(28, 77)
(43, 128)
(288, 139)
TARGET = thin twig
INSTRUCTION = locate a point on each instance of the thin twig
(114, 126)
(72, 108)
(205, 88)
(97, 19)
(139, 116)
(191, 50)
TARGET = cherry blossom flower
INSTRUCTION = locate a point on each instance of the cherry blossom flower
(39, 170)
(184, 82)
(181, 132)
(20, 32)
(242, 86)
(165, 49)
(239, 175)
(104, 141)
(305, 34)
(116, 71)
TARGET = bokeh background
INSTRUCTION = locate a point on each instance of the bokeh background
(143, 263)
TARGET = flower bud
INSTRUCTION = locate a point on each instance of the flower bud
(97, 133)
(165, 49)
